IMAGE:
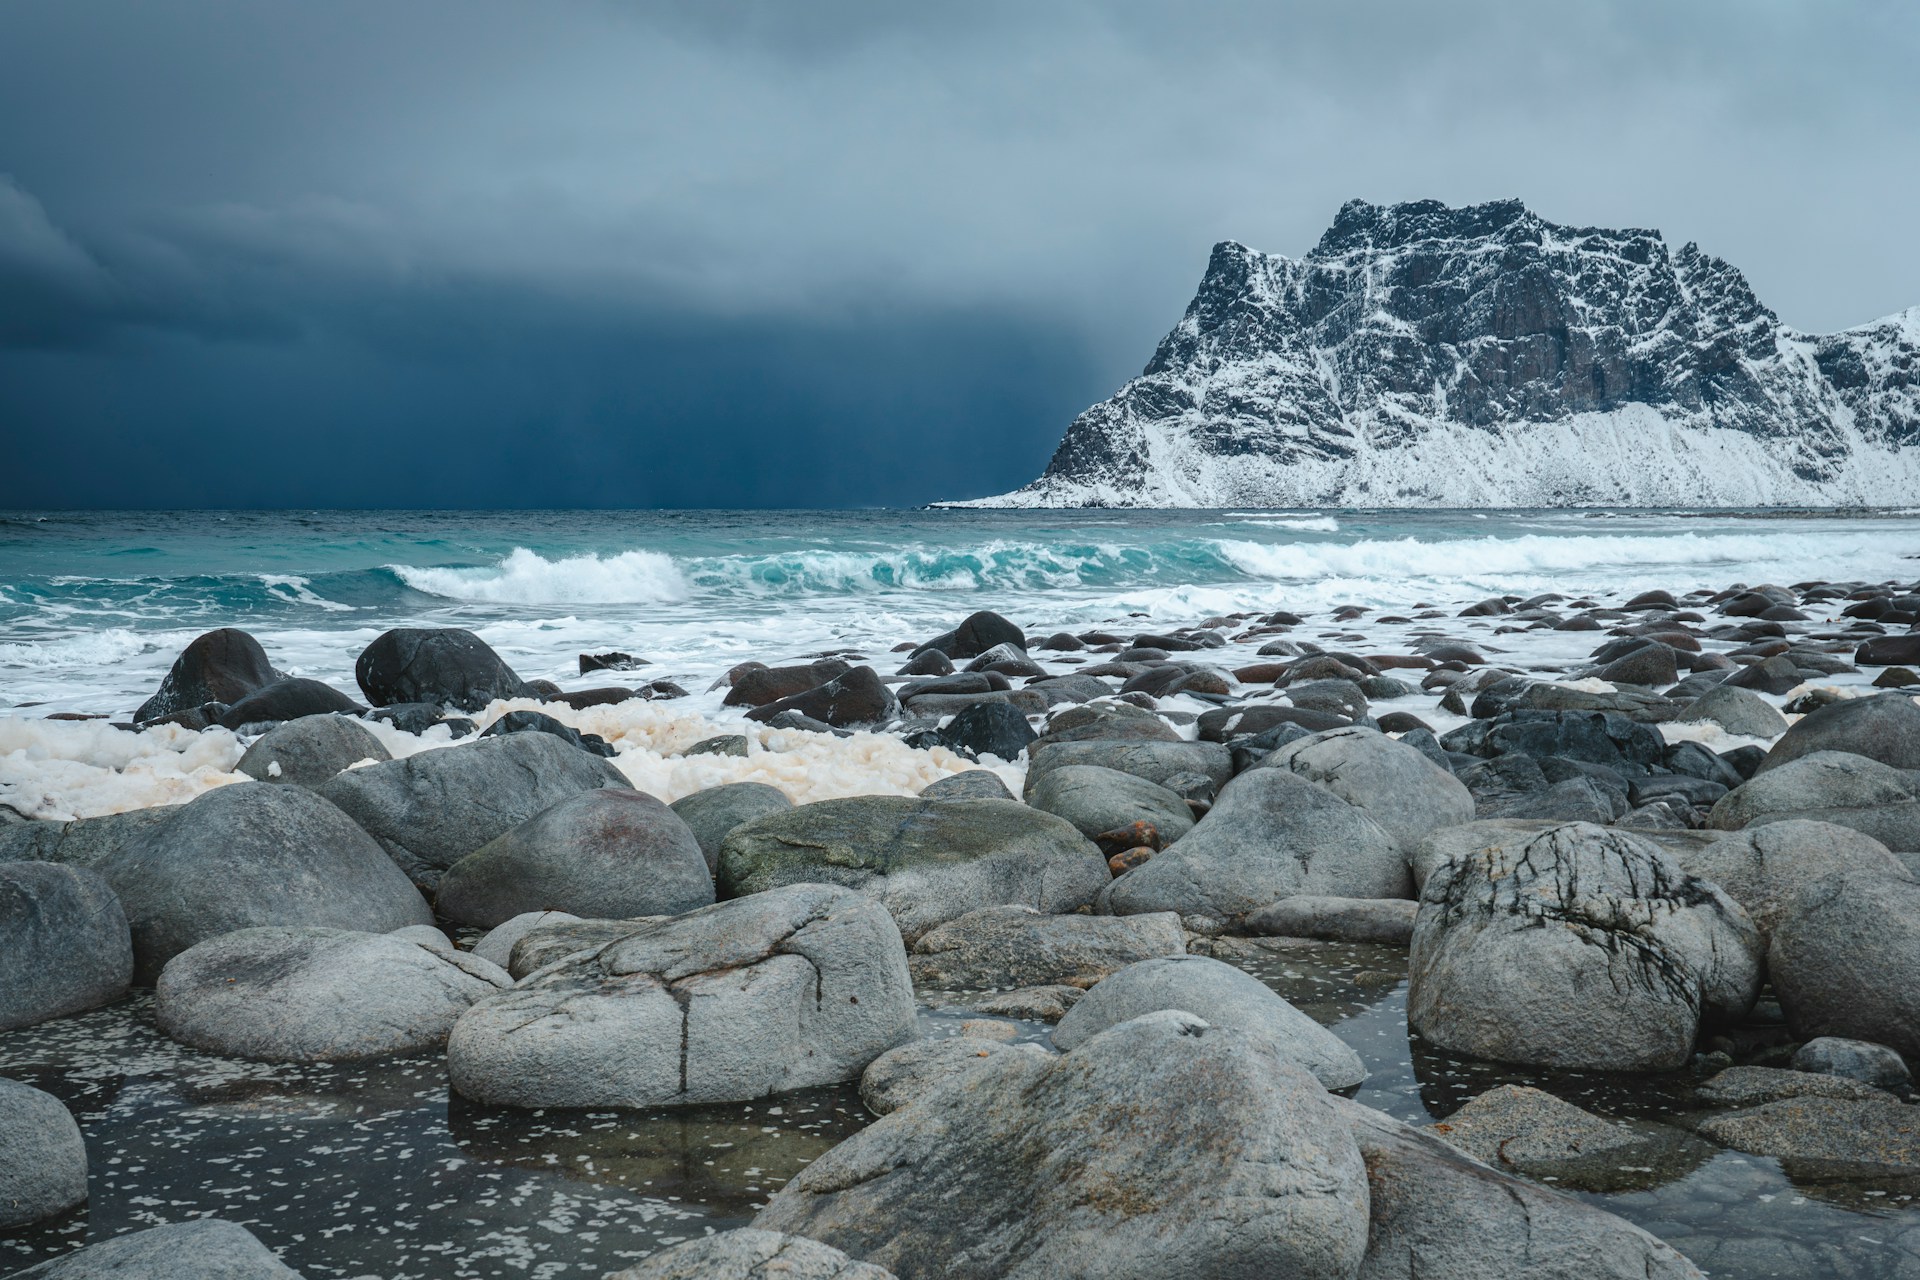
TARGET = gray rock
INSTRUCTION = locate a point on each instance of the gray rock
(64, 940)
(83, 842)
(1154, 761)
(444, 665)
(969, 784)
(1845, 960)
(926, 861)
(1270, 835)
(1222, 995)
(902, 1076)
(44, 1172)
(1016, 946)
(253, 854)
(1387, 921)
(299, 994)
(1763, 868)
(1059, 1167)
(1883, 727)
(1581, 948)
(1829, 786)
(1754, 1086)
(1826, 1137)
(497, 946)
(1738, 711)
(432, 809)
(1860, 1060)
(747, 1254)
(1389, 781)
(712, 813)
(202, 1249)
(1097, 800)
(1527, 1131)
(1444, 844)
(1436, 1214)
(789, 989)
(610, 853)
(308, 751)
(1034, 1004)
(720, 744)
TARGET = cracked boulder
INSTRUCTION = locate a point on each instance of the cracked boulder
(1162, 1147)
(1580, 948)
(794, 988)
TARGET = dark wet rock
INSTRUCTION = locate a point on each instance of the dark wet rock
(1754, 1086)
(432, 809)
(64, 944)
(1738, 711)
(308, 751)
(1073, 688)
(1845, 959)
(1884, 727)
(1058, 1167)
(302, 994)
(607, 696)
(1270, 835)
(44, 1171)
(927, 662)
(1651, 663)
(1697, 761)
(789, 989)
(612, 852)
(544, 690)
(418, 717)
(253, 854)
(1858, 1060)
(1387, 921)
(712, 813)
(82, 842)
(287, 699)
(221, 666)
(447, 666)
(959, 682)
(764, 685)
(979, 633)
(1829, 786)
(1016, 946)
(900, 1077)
(1775, 675)
(927, 861)
(988, 728)
(969, 784)
(1223, 723)
(201, 1249)
(1581, 948)
(1062, 642)
(747, 1254)
(540, 722)
(1826, 1137)
(1522, 1130)
(1675, 789)
(1897, 678)
(791, 719)
(1764, 868)
(720, 744)
(1097, 800)
(857, 697)
(591, 662)
(1155, 761)
(1107, 722)
(1887, 651)
(1590, 736)
(1389, 781)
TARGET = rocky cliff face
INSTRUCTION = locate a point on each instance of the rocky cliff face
(1421, 355)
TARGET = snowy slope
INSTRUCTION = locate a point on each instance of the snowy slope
(1421, 355)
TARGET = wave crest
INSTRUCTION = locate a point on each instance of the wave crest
(526, 577)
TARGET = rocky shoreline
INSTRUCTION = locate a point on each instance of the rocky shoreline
(1046, 900)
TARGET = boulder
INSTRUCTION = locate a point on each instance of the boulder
(902, 1076)
(1097, 800)
(1754, 1086)
(200, 1249)
(432, 809)
(712, 813)
(747, 1254)
(1444, 844)
(1594, 737)
(254, 854)
(302, 994)
(1861, 1060)
(858, 697)
(221, 666)
(1153, 760)
(1764, 868)
(794, 988)
(1270, 835)
(1887, 651)
(968, 784)
(1016, 946)
(542, 944)
(1222, 995)
(1884, 727)
(44, 1172)
(988, 729)
(720, 744)
(1845, 959)
(541, 722)
(309, 750)
(1651, 663)
(1739, 711)
(83, 842)
(926, 861)
(64, 940)
(443, 665)
(497, 946)
(1224, 723)
(1033, 1004)
(1163, 1147)
(1829, 786)
(758, 687)
(288, 698)
(1826, 1137)
(611, 852)
(1581, 948)
(1522, 1130)
(1392, 783)
(1384, 921)
(980, 632)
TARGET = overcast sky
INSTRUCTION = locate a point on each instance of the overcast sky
(821, 254)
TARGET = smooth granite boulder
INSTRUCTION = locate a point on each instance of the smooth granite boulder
(432, 809)
(1270, 835)
(1389, 781)
(302, 994)
(497, 946)
(1143, 758)
(1580, 948)
(904, 1075)
(793, 988)
(1384, 921)
(926, 861)
(1845, 959)
(1763, 868)
(747, 1254)
(1222, 995)
(1859, 1060)
(308, 751)
(447, 666)
(221, 666)
(64, 943)
(1016, 946)
(1738, 711)
(1097, 800)
(968, 784)
(612, 852)
(43, 1159)
(201, 1249)
(1829, 786)
(254, 854)
(712, 813)
(1163, 1147)
(1883, 727)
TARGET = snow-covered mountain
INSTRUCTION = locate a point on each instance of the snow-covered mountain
(1421, 355)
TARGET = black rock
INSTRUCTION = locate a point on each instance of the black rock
(927, 662)
(857, 697)
(288, 699)
(446, 665)
(418, 717)
(764, 685)
(979, 633)
(540, 722)
(1596, 737)
(220, 666)
(1888, 651)
(988, 728)
(610, 662)
(1223, 723)
(1771, 675)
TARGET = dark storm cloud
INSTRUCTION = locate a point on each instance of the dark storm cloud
(672, 253)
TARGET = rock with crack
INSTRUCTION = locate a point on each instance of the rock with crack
(1581, 948)
(1162, 1147)
(749, 1254)
(1016, 946)
(793, 988)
